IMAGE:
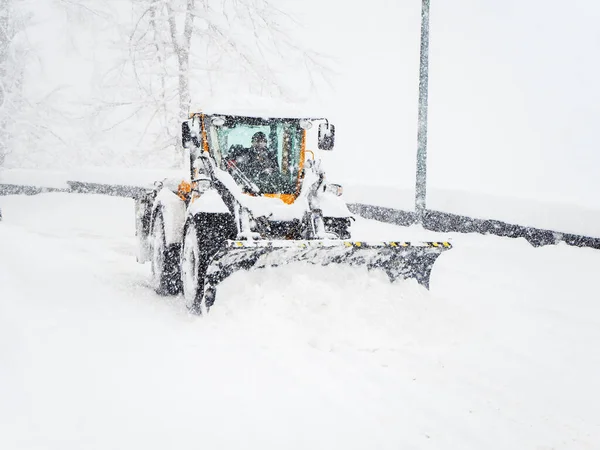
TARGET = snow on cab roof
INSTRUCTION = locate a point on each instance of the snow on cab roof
(259, 113)
(259, 107)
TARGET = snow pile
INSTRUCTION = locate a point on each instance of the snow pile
(501, 353)
(298, 303)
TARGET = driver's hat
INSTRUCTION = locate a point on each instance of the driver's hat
(258, 137)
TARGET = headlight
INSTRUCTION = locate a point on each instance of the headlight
(335, 189)
(202, 184)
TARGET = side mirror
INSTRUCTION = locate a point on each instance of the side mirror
(326, 136)
(189, 135)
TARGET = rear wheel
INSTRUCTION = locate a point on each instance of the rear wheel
(165, 260)
(193, 271)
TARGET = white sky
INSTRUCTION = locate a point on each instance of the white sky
(514, 98)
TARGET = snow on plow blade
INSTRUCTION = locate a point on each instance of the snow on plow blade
(396, 259)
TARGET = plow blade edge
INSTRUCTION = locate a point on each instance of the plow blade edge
(399, 260)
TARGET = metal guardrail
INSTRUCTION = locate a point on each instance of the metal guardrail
(432, 220)
(74, 187)
(115, 190)
(448, 222)
(383, 214)
(17, 189)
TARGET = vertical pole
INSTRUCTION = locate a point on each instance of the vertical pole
(421, 180)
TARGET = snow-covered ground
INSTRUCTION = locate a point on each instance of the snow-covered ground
(501, 353)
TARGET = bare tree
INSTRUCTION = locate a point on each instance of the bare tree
(5, 41)
(182, 42)
(177, 44)
(170, 56)
(11, 74)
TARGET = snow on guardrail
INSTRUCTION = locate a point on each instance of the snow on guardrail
(434, 220)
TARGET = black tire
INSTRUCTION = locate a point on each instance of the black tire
(204, 236)
(166, 275)
(340, 226)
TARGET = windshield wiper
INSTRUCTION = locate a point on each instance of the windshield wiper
(249, 184)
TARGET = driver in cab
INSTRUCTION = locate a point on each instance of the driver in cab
(256, 162)
(262, 159)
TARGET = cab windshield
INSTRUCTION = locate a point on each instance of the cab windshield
(262, 155)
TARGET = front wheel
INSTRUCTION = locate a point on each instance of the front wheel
(339, 226)
(204, 236)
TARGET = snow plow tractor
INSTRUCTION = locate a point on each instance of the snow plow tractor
(255, 196)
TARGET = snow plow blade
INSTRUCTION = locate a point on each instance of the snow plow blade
(399, 260)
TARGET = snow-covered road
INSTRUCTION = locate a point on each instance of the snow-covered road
(501, 353)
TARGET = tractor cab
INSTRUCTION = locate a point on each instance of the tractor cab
(265, 156)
